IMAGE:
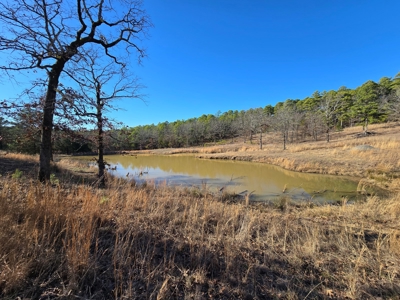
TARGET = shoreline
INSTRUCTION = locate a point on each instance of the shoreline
(373, 158)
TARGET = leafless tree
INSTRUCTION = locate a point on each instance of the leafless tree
(392, 105)
(250, 123)
(297, 117)
(242, 125)
(330, 103)
(100, 84)
(283, 120)
(53, 35)
(314, 123)
(261, 122)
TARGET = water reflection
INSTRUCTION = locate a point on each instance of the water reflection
(268, 182)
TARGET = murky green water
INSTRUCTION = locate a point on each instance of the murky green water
(265, 181)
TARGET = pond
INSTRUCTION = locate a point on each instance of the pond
(267, 182)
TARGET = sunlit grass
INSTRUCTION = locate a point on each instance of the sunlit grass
(128, 241)
(131, 241)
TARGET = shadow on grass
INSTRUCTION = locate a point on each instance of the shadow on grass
(8, 165)
(145, 264)
(29, 168)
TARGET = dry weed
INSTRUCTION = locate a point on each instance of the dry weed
(161, 243)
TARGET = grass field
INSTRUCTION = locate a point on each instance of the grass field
(70, 240)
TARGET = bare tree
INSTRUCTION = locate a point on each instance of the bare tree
(392, 105)
(50, 36)
(260, 122)
(198, 131)
(100, 84)
(242, 125)
(313, 122)
(250, 123)
(330, 103)
(283, 120)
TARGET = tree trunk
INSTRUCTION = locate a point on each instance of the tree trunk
(47, 124)
(327, 133)
(100, 162)
(284, 140)
(102, 180)
(315, 134)
(261, 142)
(366, 126)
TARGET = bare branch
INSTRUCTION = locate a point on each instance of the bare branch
(51, 35)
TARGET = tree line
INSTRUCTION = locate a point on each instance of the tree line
(309, 119)
(312, 118)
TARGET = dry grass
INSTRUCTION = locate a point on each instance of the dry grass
(145, 242)
(68, 240)
(20, 156)
(341, 156)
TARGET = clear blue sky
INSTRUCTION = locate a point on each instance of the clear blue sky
(206, 56)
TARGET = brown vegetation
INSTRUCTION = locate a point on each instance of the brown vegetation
(68, 240)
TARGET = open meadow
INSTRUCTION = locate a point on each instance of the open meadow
(70, 240)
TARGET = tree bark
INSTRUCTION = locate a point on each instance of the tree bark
(327, 135)
(99, 114)
(47, 124)
(284, 140)
(101, 166)
(328, 131)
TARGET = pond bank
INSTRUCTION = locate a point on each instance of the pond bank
(265, 182)
(375, 158)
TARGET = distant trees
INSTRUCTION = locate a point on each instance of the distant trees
(365, 106)
(19, 127)
(54, 36)
(3, 130)
(344, 114)
(312, 116)
(261, 123)
(329, 106)
(294, 120)
(283, 119)
(391, 103)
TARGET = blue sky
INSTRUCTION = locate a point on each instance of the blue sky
(206, 56)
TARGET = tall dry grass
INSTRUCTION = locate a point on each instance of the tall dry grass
(148, 242)
(343, 155)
